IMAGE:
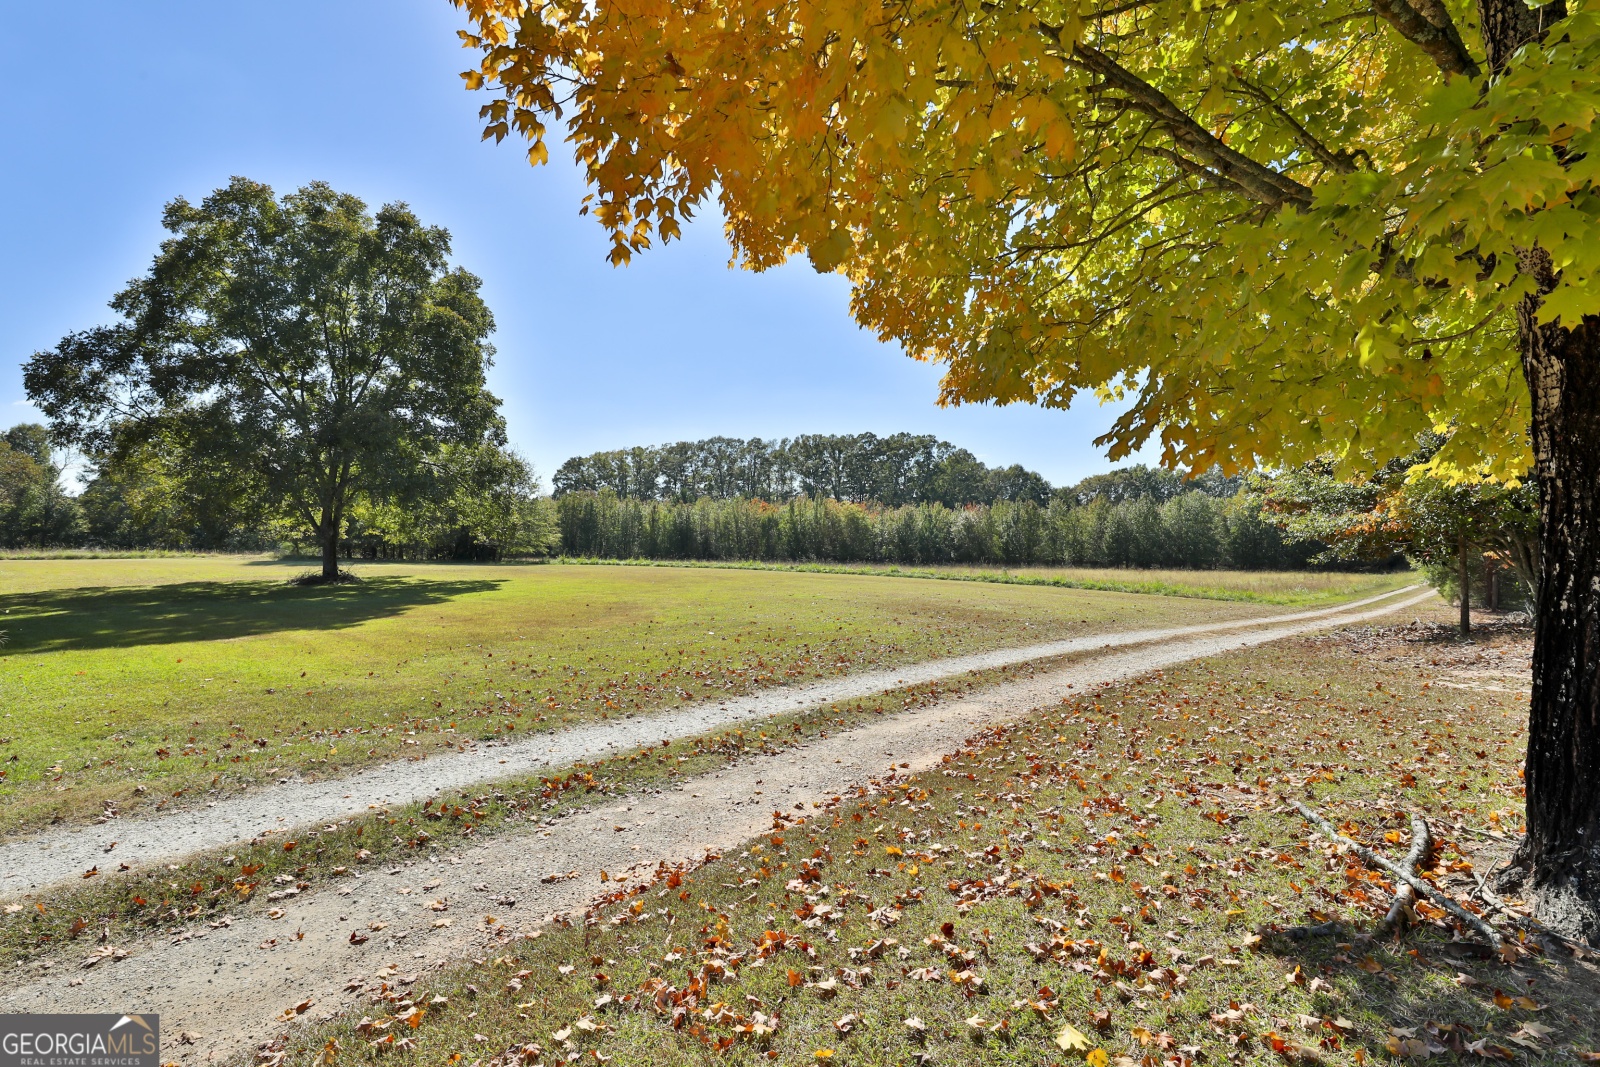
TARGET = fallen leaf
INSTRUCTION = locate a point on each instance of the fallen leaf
(1071, 1039)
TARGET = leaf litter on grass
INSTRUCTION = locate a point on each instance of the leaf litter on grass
(1120, 866)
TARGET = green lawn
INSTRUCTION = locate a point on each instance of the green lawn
(134, 681)
(1289, 588)
(1121, 864)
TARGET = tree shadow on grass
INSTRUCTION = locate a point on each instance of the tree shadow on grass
(1443, 998)
(121, 617)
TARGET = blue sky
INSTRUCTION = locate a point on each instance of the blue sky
(109, 111)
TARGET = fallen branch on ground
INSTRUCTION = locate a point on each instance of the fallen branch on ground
(1487, 932)
(1405, 896)
(1400, 913)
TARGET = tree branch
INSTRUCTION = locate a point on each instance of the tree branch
(1342, 161)
(1487, 932)
(1428, 26)
(1269, 187)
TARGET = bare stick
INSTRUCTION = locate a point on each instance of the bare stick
(1487, 932)
(1400, 913)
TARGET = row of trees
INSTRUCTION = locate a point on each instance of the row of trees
(1190, 529)
(480, 503)
(147, 490)
(899, 469)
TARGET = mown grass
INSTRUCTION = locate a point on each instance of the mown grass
(1122, 863)
(1289, 588)
(192, 677)
(109, 553)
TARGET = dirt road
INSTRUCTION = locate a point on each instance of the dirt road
(42, 860)
(220, 991)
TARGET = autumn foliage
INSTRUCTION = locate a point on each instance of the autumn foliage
(1285, 229)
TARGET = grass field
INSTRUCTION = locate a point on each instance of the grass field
(1288, 588)
(1121, 865)
(134, 682)
(141, 903)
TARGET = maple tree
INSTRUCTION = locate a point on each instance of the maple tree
(1281, 231)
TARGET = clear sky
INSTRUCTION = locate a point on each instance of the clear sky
(111, 108)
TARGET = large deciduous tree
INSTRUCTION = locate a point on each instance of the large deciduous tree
(316, 351)
(1283, 230)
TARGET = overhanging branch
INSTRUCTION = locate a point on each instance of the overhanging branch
(1269, 187)
(1428, 25)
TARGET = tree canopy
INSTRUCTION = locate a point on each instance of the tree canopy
(899, 468)
(1284, 230)
(310, 352)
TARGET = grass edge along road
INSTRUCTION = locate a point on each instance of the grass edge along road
(49, 923)
(135, 707)
(1116, 887)
(54, 856)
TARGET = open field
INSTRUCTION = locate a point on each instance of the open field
(135, 682)
(109, 553)
(1120, 863)
(1289, 588)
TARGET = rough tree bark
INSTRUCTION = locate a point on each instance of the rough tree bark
(1559, 859)
(1561, 853)
(1465, 580)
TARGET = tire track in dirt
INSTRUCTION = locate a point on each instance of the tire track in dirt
(42, 860)
(220, 992)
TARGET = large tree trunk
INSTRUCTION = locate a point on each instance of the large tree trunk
(1560, 857)
(328, 530)
(330, 554)
(1561, 853)
(1465, 577)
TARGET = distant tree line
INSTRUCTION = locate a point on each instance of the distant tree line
(896, 470)
(480, 501)
(1117, 528)
(903, 498)
(34, 510)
